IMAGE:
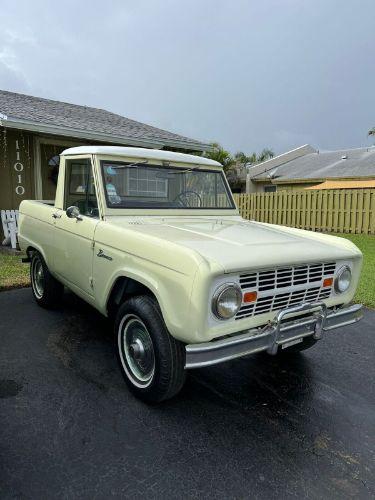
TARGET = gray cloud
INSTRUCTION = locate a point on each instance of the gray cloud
(246, 73)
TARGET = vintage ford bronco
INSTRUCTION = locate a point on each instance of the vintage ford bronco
(153, 239)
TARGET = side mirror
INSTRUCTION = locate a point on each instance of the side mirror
(73, 213)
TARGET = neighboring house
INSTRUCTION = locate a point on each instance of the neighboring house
(307, 168)
(33, 131)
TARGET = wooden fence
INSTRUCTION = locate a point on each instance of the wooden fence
(336, 210)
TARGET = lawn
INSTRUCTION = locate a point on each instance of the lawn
(366, 290)
(15, 274)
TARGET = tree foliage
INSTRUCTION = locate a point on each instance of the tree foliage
(224, 157)
(232, 162)
(219, 154)
(253, 158)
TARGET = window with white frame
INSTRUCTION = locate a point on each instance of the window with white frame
(146, 182)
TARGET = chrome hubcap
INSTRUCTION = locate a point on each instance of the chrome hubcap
(38, 278)
(139, 351)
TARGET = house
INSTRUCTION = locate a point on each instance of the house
(33, 131)
(308, 168)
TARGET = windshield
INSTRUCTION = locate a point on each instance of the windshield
(142, 186)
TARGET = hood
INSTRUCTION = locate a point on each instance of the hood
(236, 244)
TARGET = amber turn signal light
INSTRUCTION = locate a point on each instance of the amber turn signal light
(250, 297)
(327, 282)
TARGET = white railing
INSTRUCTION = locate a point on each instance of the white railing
(9, 219)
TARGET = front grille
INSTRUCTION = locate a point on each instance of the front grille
(285, 287)
(287, 276)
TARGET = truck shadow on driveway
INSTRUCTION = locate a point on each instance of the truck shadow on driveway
(245, 383)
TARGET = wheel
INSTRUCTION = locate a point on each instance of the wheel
(151, 360)
(296, 348)
(46, 289)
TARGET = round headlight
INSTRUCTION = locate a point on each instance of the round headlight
(343, 279)
(226, 301)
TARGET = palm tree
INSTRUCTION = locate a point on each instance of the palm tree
(240, 157)
(266, 154)
(371, 131)
(221, 155)
(244, 159)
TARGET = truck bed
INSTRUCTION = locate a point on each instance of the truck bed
(35, 223)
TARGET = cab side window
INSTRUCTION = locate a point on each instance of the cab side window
(80, 187)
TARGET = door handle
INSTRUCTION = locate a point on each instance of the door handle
(56, 215)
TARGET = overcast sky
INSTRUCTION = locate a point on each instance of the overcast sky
(249, 74)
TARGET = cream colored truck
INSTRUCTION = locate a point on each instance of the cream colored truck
(154, 240)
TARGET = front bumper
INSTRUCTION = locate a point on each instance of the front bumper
(273, 335)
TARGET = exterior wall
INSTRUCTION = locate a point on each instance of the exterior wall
(24, 165)
(295, 187)
(16, 168)
(24, 169)
(258, 187)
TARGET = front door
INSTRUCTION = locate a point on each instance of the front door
(49, 168)
(73, 256)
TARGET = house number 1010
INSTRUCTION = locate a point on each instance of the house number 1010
(18, 167)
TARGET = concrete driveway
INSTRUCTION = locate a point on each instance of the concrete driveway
(256, 427)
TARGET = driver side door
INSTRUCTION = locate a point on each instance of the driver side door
(73, 256)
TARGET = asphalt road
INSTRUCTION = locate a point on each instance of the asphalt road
(256, 427)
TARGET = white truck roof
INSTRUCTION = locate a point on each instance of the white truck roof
(154, 154)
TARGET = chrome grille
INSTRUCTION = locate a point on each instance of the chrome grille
(287, 276)
(285, 287)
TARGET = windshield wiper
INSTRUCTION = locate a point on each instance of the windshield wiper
(129, 165)
(170, 173)
(160, 175)
(184, 171)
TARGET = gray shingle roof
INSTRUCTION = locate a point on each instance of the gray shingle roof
(359, 162)
(85, 119)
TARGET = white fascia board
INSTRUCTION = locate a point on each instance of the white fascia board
(16, 123)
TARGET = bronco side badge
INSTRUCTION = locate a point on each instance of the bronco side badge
(102, 254)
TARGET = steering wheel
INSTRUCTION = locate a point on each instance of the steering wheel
(185, 196)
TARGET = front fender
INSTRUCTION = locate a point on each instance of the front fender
(172, 289)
